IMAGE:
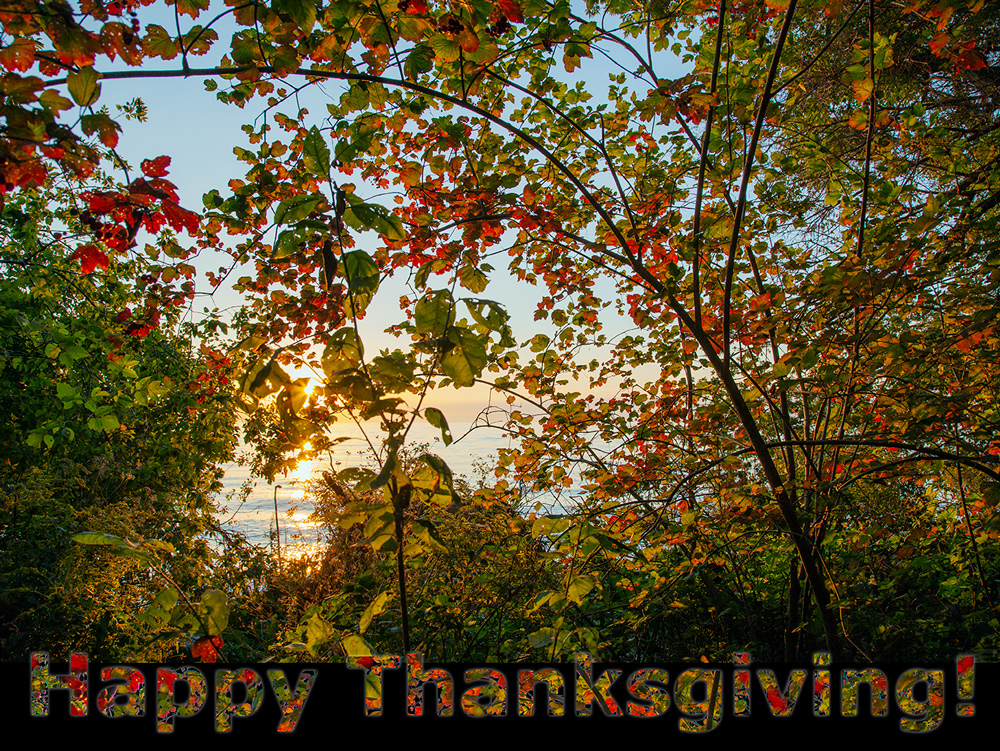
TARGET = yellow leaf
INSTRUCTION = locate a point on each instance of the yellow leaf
(863, 88)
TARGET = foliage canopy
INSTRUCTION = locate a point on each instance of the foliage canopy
(794, 442)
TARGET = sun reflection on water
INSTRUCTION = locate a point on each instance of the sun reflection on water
(300, 533)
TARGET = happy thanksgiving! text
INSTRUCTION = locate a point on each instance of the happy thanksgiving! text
(700, 697)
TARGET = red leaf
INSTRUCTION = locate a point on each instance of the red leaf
(101, 203)
(178, 217)
(90, 257)
(512, 10)
(153, 222)
(155, 167)
(969, 60)
(53, 152)
(207, 648)
(939, 42)
(142, 187)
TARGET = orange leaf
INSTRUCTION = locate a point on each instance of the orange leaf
(207, 648)
(863, 88)
(18, 55)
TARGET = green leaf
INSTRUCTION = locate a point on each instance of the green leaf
(549, 525)
(99, 538)
(434, 313)
(318, 633)
(298, 207)
(446, 49)
(159, 43)
(83, 86)
(420, 60)
(67, 392)
(436, 418)
(139, 555)
(364, 216)
(315, 154)
(542, 637)
(386, 472)
(464, 362)
(473, 279)
(160, 545)
(264, 378)
(376, 607)
(539, 342)
(157, 615)
(426, 531)
(579, 587)
(355, 646)
(435, 479)
(343, 351)
(302, 12)
(214, 612)
(286, 245)
(362, 279)
(349, 149)
(423, 274)
(495, 318)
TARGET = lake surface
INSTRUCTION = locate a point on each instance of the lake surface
(255, 517)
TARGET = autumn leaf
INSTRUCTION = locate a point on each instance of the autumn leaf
(107, 129)
(155, 167)
(511, 10)
(19, 55)
(863, 88)
(207, 648)
(159, 43)
(90, 257)
(180, 218)
(413, 7)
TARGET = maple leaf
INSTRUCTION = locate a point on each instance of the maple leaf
(101, 203)
(179, 217)
(155, 167)
(90, 257)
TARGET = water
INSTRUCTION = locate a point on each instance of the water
(255, 517)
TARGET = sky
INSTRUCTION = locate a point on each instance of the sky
(199, 133)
